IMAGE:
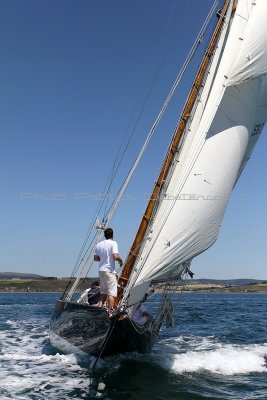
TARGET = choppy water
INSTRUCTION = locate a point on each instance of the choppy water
(218, 350)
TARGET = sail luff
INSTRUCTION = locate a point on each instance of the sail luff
(171, 153)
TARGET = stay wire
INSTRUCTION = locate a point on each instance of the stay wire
(191, 54)
(118, 161)
(105, 343)
(160, 114)
(146, 97)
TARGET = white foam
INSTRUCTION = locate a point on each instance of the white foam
(26, 372)
(221, 359)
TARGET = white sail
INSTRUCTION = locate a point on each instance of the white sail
(226, 125)
(251, 59)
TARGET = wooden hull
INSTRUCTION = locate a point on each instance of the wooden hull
(87, 329)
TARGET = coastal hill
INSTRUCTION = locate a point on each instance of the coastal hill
(223, 282)
(21, 275)
(226, 285)
(27, 282)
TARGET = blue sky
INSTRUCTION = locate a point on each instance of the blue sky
(74, 79)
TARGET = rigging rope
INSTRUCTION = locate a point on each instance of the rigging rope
(165, 304)
(174, 86)
(138, 271)
(119, 157)
(121, 192)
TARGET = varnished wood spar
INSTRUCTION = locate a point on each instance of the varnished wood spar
(134, 251)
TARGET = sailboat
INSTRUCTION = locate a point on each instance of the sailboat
(220, 124)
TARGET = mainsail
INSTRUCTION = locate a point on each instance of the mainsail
(220, 135)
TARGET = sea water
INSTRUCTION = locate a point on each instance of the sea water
(217, 350)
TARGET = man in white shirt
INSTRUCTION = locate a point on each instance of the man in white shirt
(107, 253)
(140, 315)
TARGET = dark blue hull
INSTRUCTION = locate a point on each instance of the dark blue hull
(88, 329)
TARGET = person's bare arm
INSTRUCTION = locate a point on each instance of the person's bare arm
(117, 257)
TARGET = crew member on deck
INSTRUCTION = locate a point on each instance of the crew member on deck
(140, 315)
(107, 253)
(91, 296)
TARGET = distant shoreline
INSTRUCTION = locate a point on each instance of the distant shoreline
(59, 286)
(212, 288)
(40, 285)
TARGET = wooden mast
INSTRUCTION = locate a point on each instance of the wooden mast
(186, 113)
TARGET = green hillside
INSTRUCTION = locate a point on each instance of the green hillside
(21, 275)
